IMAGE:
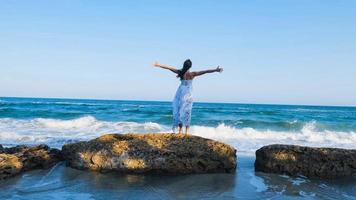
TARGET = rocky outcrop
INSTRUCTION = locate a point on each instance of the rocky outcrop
(306, 161)
(17, 159)
(153, 153)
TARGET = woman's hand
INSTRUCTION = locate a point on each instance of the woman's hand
(156, 64)
(172, 69)
(219, 69)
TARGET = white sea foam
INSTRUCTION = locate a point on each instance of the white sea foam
(249, 139)
(57, 132)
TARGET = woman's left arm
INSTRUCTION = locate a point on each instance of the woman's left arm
(218, 69)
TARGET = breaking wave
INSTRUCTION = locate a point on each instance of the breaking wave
(55, 132)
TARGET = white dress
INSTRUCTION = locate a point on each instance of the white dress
(183, 104)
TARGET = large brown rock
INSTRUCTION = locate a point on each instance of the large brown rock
(151, 153)
(17, 159)
(306, 161)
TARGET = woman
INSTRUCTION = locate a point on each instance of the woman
(183, 100)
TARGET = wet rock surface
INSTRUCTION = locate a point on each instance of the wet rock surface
(306, 161)
(22, 158)
(151, 153)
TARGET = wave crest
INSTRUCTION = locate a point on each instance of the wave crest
(57, 132)
(248, 139)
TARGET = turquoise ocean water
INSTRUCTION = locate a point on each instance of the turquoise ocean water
(247, 127)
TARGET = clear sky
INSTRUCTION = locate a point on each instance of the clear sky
(282, 52)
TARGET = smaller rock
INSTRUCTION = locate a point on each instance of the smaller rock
(306, 161)
(10, 165)
(21, 158)
(40, 157)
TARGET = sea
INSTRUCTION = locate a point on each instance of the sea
(247, 127)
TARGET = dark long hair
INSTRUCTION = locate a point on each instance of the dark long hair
(186, 66)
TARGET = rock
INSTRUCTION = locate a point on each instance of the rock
(10, 165)
(306, 161)
(151, 153)
(21, 158)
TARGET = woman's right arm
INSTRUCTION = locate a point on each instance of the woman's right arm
(172, 69)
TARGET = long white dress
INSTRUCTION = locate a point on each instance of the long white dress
(183, 104)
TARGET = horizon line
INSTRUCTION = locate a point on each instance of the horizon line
(241, 103)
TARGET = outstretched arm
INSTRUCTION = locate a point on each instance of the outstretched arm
(172, 69)
(218, 69)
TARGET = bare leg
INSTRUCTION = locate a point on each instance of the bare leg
(187, 130)
(180, 129)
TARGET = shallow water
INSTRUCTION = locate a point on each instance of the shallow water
(62, 182)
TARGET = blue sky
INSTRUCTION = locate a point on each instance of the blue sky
(282, 52)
